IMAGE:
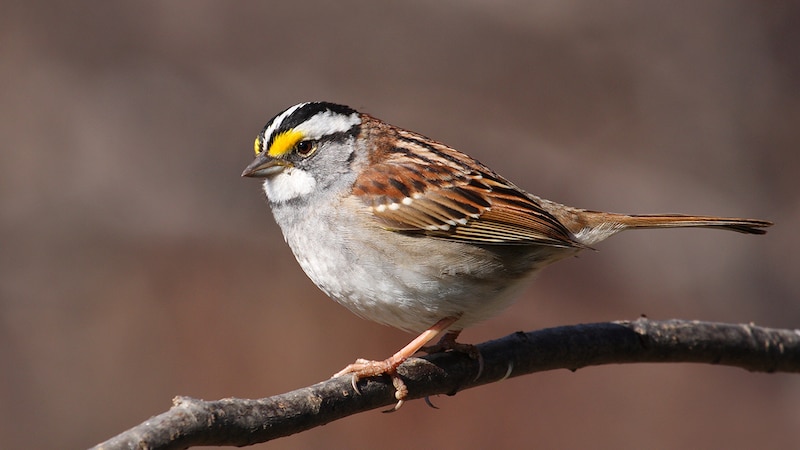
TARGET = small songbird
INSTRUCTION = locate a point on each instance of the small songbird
(411, 233)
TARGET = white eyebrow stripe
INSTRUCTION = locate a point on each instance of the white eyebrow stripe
(326, 123)
(280, 118)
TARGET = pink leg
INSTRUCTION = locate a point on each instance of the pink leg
(364, 368)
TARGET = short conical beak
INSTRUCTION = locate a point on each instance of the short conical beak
(264, 166)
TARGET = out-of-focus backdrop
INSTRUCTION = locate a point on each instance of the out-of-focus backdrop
(135, 264)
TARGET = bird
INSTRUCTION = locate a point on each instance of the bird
(408, 232)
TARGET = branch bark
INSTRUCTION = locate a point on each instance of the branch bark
(243, 422)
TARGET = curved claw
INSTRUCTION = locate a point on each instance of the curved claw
(400, 393)
(356, 369)
(395, 408)
(364, 368)
(354, 383)
(430, 403)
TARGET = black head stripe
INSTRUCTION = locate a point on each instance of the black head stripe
(300, 115)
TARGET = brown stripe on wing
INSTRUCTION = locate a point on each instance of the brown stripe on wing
(421, 186)
(427, 200)
(513, 218)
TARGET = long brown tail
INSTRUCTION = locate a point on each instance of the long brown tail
(748, 226)
(590, 227)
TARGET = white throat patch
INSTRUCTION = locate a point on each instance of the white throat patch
(289, 184)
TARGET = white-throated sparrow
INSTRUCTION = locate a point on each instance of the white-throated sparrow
(410, 233)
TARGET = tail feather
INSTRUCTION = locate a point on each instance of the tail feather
(747, 226)
(594, 227)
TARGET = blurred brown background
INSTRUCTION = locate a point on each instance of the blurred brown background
(136, 265)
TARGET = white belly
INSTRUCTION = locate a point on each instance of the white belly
(407, 282)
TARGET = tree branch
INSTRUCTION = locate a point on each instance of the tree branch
(244, 422)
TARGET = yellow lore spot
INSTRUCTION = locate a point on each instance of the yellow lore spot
(284, 143)
(257, 145)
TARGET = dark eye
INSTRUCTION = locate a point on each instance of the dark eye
(305, 148)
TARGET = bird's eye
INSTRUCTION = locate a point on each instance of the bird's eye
(305, 148)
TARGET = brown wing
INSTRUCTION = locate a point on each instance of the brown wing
(419, 186)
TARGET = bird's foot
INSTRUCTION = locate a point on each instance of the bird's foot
(448, 344)
(364, 368)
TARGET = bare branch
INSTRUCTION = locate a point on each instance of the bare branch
(243, 422)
